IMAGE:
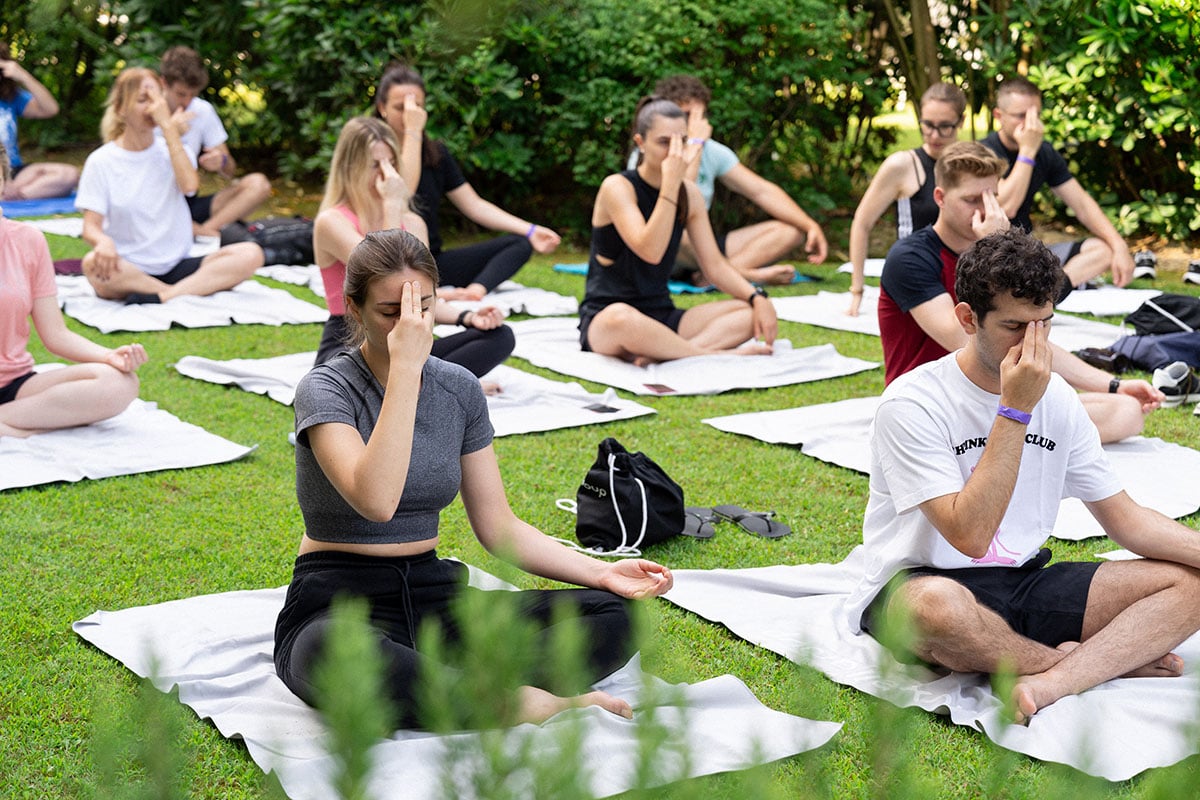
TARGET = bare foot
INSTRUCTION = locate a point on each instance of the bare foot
(490, 388)
(1025, 704)
(777, 274)
(644, 361)
(15, 433)
(538, 705)
(755, 348)
(452, 293)
(1169, 666)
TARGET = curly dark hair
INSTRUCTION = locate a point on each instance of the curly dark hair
(1011, 262)
(682, 88)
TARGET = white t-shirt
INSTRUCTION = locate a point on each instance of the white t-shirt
(927, 438)
(141, 202)
(204, 130)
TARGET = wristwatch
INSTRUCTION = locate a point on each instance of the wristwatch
(758, 292)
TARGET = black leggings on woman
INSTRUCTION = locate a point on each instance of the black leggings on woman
(403, 592)
(489, 263)
(479, 351)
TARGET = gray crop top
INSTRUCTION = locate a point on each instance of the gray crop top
(451, 421)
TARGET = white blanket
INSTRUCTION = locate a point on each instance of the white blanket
(554, 344)
(218, 650)
(872, 267)
(526, 403)
(62, 226)
(1107, 301)
(247, 303)
(1114, 731)
(1160, 475)
(296, 275)
(828, 310)
(142, 438)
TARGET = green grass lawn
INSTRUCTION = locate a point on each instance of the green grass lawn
(70, 549)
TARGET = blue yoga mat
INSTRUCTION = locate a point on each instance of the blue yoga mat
(674, 287)
(39, 208)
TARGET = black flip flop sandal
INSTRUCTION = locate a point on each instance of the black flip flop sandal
(759, 523)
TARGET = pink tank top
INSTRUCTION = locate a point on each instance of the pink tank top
(334, 276)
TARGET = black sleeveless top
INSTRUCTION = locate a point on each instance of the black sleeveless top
(920, 210)
(629, 279)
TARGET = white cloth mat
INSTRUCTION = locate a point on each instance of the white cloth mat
(63, 226)
(554, 344)
(1160, 475)
(872, 267)
(296, 275)
(142, 438)
(218, 650)
(247, 303)
(513, 298)
(1107, 301)
(527, 403)
(1114, 731)
(828, 310)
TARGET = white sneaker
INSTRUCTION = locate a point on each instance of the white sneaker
(1178, 383)
(1193, 271)
(1145, 264)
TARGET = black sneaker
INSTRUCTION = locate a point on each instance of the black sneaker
(1145, 264)
(1193, 271)
(1179, 383)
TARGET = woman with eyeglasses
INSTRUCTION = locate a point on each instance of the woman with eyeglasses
(906, 178)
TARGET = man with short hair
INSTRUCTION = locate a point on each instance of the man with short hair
(1033, 163)
(916, 299)
(185, 76)
(970, 457)
(753, 250)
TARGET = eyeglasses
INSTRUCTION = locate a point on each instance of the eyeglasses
(942, 128)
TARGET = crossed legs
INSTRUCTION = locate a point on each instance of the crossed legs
(221, 270)
(754, 251)
(79, 394)
(44, 179)
(234, 202)
(1136, 613)
(621, 330)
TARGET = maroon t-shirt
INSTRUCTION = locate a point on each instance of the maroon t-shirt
(918, 268)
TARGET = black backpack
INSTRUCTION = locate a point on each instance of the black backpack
(1167, 313)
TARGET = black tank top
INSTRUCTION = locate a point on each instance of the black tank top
(914, 213)
(629, 279)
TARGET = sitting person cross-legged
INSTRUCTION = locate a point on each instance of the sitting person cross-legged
(101, 385)
(638, 220)
(386, 436)
(365, 193)
(135, 216)
(971, 456)
(916, 298)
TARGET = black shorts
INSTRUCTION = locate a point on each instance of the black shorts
(671, 317)
(184, 268)
(8, 392)
(1043, 603)
(201, 207)
(15, 171)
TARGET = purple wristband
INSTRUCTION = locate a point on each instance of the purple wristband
(1026, 160)
(1013, 414)
(532, 228)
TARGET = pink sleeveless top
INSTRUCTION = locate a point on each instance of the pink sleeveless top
(334, 276)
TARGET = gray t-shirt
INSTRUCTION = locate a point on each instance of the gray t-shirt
(451, 421)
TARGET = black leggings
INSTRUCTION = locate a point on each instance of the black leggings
(479, 351)
(403, 593)
(489, 263)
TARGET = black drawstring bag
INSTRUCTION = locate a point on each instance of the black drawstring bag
(1166, 313)
(626, 502)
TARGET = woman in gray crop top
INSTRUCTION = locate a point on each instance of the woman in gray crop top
(386, 436)
(906, 179)
(637, 221)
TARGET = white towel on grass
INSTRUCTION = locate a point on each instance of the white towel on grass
(297, 275)
(142, 438)
(1107, 301)
(527, 403)
(218, 650)
(1113, 731)
(828, 310)
(1159, 475)
(554, 344)
(62, 226)
(247, 303)
(872, 267)
(513, 298)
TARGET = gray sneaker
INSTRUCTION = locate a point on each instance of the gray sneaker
(1178, 382)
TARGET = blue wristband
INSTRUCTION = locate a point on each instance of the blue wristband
(532, 228)
(1013, 414)
(1026, 160)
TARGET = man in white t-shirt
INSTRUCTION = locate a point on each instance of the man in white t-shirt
(205, 138)
(970, 456)
(753, 250)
